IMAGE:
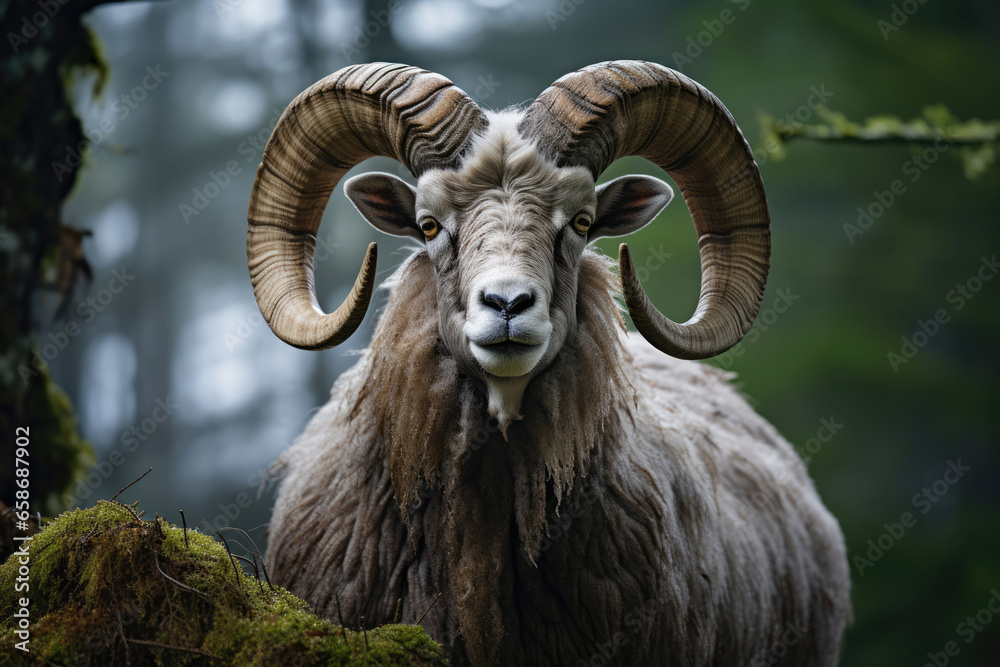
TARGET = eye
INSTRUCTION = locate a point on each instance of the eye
(430, 227)
(582, 223)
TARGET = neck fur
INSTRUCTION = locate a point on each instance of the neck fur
(435, 423)
(492, 493)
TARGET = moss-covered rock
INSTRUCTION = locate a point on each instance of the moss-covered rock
(107, 587)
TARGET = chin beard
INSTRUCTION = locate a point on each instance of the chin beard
(504, 395)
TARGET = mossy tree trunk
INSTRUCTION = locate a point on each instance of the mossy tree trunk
(41, 143)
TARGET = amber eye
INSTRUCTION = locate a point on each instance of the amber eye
(430, 227)
(582, 223)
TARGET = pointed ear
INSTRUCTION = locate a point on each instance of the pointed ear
(387, 202)
(628, 204)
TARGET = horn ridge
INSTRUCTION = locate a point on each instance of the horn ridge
(355, 113)
(607, 111)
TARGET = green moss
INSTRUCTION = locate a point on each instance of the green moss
(86, 56)
(58, 455)
(977, 138)
(101, 593)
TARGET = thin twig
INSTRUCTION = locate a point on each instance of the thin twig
(254, 564)
(343, 628)
(428, 608)
(128, 485)
(263, 567)
(169, 578)
(201, 522)
(244, 558)
(367, 648)
(246, 534)
(256, 570)
(121, 633)
(395, 617)
(146, 642)
(232, 560)
(339, 615)
(184, 521)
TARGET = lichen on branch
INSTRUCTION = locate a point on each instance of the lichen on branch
(976, 139)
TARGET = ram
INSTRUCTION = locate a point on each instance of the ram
(577, 495)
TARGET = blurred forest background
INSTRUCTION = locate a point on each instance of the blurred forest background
(173, 368)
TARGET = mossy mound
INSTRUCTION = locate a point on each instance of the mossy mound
(107, 588)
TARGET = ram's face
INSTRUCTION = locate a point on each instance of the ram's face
(505, 233)
(506, 247)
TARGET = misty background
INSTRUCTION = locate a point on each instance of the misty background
(874, 354)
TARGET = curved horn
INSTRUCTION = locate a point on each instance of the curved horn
(416, 117)
(611, 110)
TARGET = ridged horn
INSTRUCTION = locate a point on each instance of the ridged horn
(607, 111)
(416, 117)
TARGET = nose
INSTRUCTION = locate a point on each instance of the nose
(508, 305)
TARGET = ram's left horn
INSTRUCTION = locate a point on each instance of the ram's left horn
(416, 117)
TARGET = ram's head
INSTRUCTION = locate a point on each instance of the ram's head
(505, 204)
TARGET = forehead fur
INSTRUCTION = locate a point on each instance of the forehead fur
(501, 162)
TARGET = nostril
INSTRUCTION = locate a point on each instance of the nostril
(508, 307)
(495, 301)
(520, 303)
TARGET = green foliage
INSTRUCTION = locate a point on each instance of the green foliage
(108, 587)
(936, 127)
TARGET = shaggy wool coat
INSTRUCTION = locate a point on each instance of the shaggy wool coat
(641, 513)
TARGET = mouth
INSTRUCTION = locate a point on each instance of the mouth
(506, 345)
(507, 357)
(510, 348)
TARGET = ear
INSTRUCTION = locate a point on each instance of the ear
(628, 204)
(387, 202)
